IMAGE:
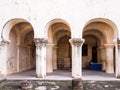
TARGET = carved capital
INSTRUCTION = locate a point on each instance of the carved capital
(109, 45)
(76, 41)
(4, 42)
(118, 43)
(40, 41)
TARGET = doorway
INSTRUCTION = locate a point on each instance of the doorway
(94, 54)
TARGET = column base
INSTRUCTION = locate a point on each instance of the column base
(109, 71)
(118, 76)
(40, 76)
(49, 70)
(76, 76)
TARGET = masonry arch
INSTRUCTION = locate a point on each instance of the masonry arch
(103, 33)
(21, 49)
(107, 21)
(53, 21)
(58, 35)
(7, 27)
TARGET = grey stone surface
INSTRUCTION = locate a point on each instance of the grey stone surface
(61, 80)
(37, 85)
(101, 85)
(76, 84)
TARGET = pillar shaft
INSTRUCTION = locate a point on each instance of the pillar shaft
(55, 57)
(40, 57)
(109, 58)
(76, 57)
(102, 57)
(3, 57)
(118, 60)
(50, 57)
(18, 56)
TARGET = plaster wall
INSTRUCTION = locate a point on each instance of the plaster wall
(40, 12)
(76, 14)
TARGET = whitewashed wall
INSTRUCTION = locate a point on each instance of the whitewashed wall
(75, 12)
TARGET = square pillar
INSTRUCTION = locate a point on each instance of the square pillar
(55, 57)
(76, 57)
(118, 60)
(50, 55)
(40, 57)
(109, 58)
(102, 56)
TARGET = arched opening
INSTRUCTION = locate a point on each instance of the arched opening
(89, 50)
(99, 45)
(21, 49)
(64, 52)
(59, 35)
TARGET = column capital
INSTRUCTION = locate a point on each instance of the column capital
(4, 42)
(109, 45)
(40, 41)
(76, 41)
(118, 42)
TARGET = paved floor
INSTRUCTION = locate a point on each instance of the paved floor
(62, 75)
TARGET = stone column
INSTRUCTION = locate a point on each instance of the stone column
(3, 57)
(76, 57)
(109, 58)
(29, 56)
(40, 57)
(18, 56)
(50, 57)
(55, 57)
(118, 60)
(102, 57)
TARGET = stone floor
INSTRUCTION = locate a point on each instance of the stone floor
(62, 80)
(62, 75)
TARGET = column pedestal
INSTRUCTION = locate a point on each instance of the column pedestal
(40, 57)
(76, 57)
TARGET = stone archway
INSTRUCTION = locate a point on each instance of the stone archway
(64, 52)
(21, 47)
(90, 50)
(28, 50)
(105, 35)
(58, 34)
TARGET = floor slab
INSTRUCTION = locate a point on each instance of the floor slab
(62, 75)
